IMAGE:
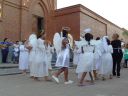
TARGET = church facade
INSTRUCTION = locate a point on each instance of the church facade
(19, 18)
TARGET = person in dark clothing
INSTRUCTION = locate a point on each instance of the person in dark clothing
(117, 55)
(5, 50)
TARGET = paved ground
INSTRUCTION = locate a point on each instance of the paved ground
(19, 85)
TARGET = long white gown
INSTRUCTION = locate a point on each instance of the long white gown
(23, 58)
(97, 55)
(107, 62)
(49, 52)
(33, 53)
(76, 56)
(63, 58)
(86, 60)
(41, 67)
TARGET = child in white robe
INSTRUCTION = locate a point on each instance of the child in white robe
(49, 53)
(97, 57)
(63, 62)
(107, 61)
(76, 54)
(41, 67)
(31, 44)
(85, 64)
(23, 58)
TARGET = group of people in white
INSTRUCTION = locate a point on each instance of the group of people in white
(92, 58)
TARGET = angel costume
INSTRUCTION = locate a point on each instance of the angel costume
(107, 62)
(49, 52)
(76, 53)
(41, 67)
(97, 54)
(63, 58)
(33, 53)
(23, 58)
(86, 60)
(57, 41)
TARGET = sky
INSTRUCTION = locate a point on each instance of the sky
(115, 11)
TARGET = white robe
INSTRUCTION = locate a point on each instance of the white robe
(97, 55)
(23, 58)
(63, 58)
(33, 53)
(49, 52)
(76, 56)
(41, 67)
(86, 60)
(107, 62)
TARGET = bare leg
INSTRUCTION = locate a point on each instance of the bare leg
(59, 72)
(95, 74)
(82, 78)
(92, 81)
(66, 74)
(47, 78)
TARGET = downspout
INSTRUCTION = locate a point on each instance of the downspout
(20, 33)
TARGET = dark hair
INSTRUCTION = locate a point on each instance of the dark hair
(65, 33)
(5, 39)
(108, 41)
(88, 37)
(98, 38)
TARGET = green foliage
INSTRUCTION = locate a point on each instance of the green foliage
(125, 33)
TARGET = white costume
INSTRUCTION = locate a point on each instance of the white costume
(23, 58)
(87, 58)
(76, 53)
(41, 67)
(107, 62)
(33, 53)
(97, 54)
(49, 52)
(63, 58)
(57, 42)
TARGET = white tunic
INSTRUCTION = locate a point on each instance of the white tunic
(107, 62)
(63, 58)
(49, 52)
(86, 59)
(32, 54)
(41, 67)
(97, 54)
(23, 58)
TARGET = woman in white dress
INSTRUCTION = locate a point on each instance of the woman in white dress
(41, 67)
(63, 62)
(76, 53)
(106, 60)
(31, 44)
(23, 58)
(85, 63)
(97, 57)
(49, 52)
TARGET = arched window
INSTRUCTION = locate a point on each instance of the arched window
(25, 2)
(1, 9)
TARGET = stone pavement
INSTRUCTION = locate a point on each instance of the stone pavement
(19, 85)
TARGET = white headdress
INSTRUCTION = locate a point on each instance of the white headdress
(105, 44)
(88, 30)
(33, 40)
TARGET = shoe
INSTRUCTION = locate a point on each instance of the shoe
(55, 78)
(118, 76)
(68, 82)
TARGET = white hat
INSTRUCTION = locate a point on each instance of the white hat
(88, 30)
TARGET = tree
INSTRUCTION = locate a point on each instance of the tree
(125, 33)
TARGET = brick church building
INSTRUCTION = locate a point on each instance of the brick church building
(19, 18)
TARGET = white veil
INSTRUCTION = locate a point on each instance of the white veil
(105, 45)
(33, 40)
